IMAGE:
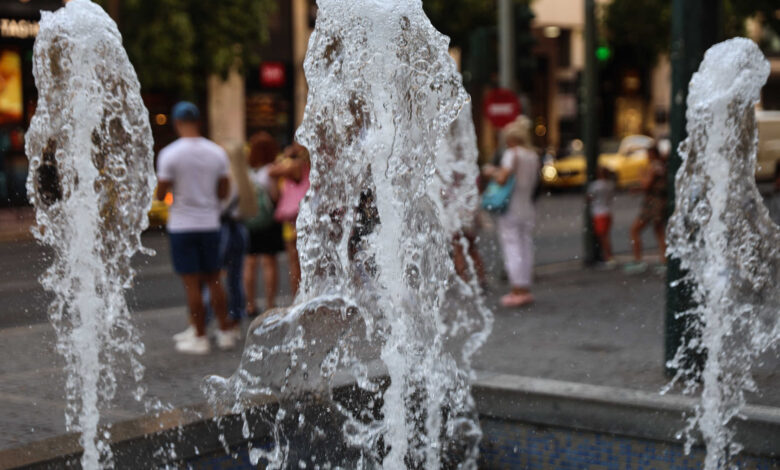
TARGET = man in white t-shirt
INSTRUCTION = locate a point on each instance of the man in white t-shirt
(196, 171)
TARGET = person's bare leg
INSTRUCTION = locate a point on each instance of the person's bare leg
(606, 246)
(195, 302)
(479, 265)
(520, 290)
(218, 300)
(270, 279)
(636, 239)
(458, 258)
(295, 266)
(250, 283)
(461, 262)
(660, 235)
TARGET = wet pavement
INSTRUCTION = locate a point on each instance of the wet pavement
(558, 237)
(590, 326)
(600, 327)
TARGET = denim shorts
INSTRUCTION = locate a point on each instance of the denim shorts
(195, 252)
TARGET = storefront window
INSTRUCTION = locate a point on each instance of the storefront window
(18, 28)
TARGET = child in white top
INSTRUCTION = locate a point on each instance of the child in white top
(601, 193)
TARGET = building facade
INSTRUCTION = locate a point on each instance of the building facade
(271, 96)
(632, 101)
(18, 28)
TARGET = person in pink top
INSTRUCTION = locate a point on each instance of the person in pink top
(293, 169)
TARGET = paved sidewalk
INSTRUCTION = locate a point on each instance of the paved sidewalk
(596, 327)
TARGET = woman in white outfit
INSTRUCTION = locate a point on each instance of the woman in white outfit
(516, 225)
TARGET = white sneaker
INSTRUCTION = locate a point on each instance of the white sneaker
(226, 339)
(194, 345)
(236, 330)
(635, 267)
(187, 334)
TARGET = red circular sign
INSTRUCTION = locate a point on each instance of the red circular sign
(501, 107)
(272, 74)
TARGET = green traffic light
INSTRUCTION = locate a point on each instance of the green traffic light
(603, 53)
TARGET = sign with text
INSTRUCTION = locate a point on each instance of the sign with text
(18, 29)
(501, 107)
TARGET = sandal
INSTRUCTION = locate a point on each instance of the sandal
(516, 300)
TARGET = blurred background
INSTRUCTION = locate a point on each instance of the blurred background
(241, 61)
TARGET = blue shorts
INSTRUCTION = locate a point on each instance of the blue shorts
(195, 252)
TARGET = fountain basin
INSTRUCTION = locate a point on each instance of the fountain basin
(527, 423)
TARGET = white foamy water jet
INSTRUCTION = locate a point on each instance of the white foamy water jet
(371, 366)
(91, 178)
(722, 233)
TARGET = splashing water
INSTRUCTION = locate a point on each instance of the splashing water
(722, 233)
(91, 178)
(371, 366)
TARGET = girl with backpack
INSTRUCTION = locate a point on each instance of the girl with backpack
(265, 233)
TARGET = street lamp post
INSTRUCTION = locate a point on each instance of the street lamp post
(590, 130)
(696, 25)
(506, 44)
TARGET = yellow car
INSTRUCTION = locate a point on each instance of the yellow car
(628, 165)
(567, 172)
(158, 213)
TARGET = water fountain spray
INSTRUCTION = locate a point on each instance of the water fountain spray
(381, 311)
(91, 179)
(723, 235)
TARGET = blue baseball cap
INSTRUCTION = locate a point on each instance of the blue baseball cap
(185, 111)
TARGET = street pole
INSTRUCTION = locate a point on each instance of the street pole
(506, 45)
(696, 25)
(590, 120)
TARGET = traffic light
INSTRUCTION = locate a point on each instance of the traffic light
(482, 60)
(603, 53)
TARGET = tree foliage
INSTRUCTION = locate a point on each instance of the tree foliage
(472, 27)
(638, 30)
(765, 11)
(176, 44)
(458, 18)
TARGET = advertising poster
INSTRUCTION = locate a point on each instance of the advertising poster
(10, 87)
